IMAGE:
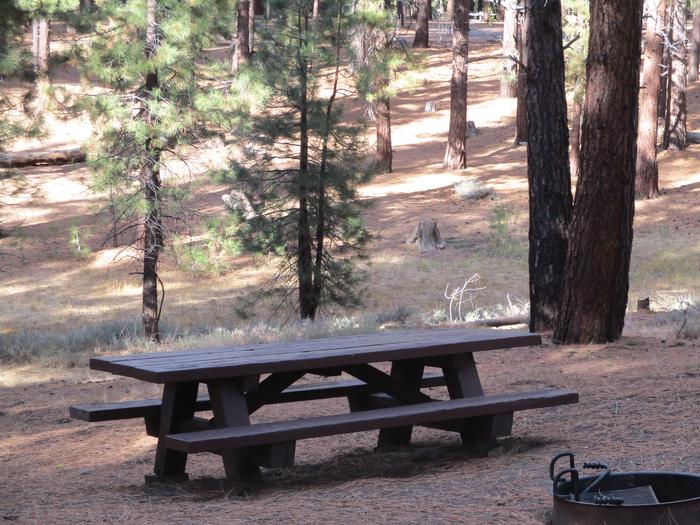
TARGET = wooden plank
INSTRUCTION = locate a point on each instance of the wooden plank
(422, 413)
(152, 407)
(330, 343)
(231, 367)
(255, 352)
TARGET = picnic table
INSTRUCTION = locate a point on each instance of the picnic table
(241, 379)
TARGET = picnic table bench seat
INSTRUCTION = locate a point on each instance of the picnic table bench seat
(149, 408)
(373, 419)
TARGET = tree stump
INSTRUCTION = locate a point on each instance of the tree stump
(427, 236)
(431, 106)
(643, 305)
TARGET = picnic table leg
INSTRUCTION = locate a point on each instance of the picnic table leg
(478, 434)
(178, 404)
(230, 409)
(410, 374)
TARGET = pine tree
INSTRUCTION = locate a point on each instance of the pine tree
(161, 92)
(300, 164)
(596, 277)
(382, 65)
(456, 150)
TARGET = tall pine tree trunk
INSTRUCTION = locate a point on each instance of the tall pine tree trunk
(307, 308)
(315, 9)
(241, 53)
(675, 130)
(41, 46)
(549, 179)
(647, 182)
(694, 60)
(456, 152)
(521, 112)
(150, 180)
(509, 73)
(422, 24)
(600, 236)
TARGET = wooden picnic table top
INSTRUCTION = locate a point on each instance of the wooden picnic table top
(246, 360)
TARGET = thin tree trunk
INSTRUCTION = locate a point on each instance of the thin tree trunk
(315, 9)
(450, 11)
(422, 24)
(575, 153)
(509, 73)
(41, 46)
(600, 236)
(150, 176)
(456, 152)
(647, 181)
(675, 130)
(320, 188)
(307, 309)
(521, 112)
(251, 26)
(549, 179)
(241, 53)
(694, 61)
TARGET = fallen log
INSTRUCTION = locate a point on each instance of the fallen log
(21, 159)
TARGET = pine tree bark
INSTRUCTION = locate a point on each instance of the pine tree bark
(521, 112)
(383, 123)
(241, 53)
(600, 236)
(509, 73)
(549, 179)
(575, 149)
(675, 130)
(315, 9)
(251, 26)
(150, 181)
(647, 181)
(694, 60)
(456, 152)
(422, 24)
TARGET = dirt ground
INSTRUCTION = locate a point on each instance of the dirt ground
(638, 407)
(637, 410)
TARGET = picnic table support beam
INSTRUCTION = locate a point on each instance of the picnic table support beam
(478, 434)
(178, 404)
(404, 384)
(229, 405)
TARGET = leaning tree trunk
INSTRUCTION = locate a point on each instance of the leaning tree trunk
(675, 130)
(456, 152)
(549, 179)
(575, 147)
(422, 24)
(241, 53)
(150, 181)
(521, 112)
(600, 236)
(647, 181)
(694, 60)
(509, 73)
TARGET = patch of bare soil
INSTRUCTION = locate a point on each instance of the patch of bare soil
(638, 410)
